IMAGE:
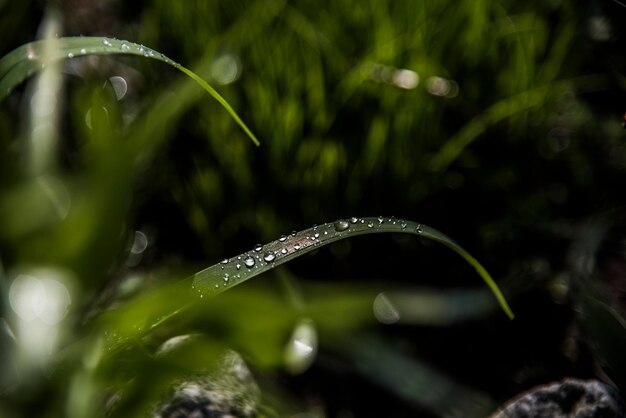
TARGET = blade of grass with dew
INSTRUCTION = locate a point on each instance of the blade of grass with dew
(230, 272)
(238, 269)
(22, 62)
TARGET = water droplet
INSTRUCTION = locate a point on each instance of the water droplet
(106, 42)
(120, 86)
(302, 347)
(293, 233)
(201, 295)
(354, 220)
(225, 261)
(341, 225)
(125, 47)
(282, 238)
(317, 235)
(249, 262)
(384, 310)
(237, 266)
(83, 51)
(70, 55)
(419, 229)
(403, 225)
(226, 277)
(380, 220)
(297, 247)
(269, 257)
(370, 224)
(283, 251)
(258, 248)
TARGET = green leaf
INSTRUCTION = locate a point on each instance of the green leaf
(22, 62)
(231, 272)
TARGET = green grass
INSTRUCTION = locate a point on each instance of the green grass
(238, 269)
(94, 349)
(21, 63)
(502, 164)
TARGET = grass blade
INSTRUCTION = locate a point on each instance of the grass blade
(504, 109)
(22, 62)
(231, 272)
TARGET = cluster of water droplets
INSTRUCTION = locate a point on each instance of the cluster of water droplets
(263, 257)
(114, 45)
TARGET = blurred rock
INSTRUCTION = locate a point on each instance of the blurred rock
(571, 398)
(229, 392)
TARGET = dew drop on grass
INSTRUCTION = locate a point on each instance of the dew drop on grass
(341, 225)
(269, 257)
(225, 261)
(83, 51)
(283, 251)
(384, 310)
(125, 47)
(380, 220)
(237, 266)
(70, 55)
(106, 42)
(354, 220)
(249, 262)
(296, 247)
(226, 277)
(370, 224)
(282, 238)
(419, 229)
(316, 235)
(403, 225)
(258, 248)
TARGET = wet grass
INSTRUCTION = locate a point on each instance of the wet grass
(466, 113)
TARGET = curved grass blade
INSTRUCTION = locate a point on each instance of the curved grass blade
(231, 272)
(24, 61)
(504, 109)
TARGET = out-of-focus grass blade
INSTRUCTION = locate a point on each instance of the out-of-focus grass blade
(503, 109)
(230, 272)
(432, 307)
(607, 329)
(414, 380)
(22, 62)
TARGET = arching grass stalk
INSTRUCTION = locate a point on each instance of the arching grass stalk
(24, 61)
(235, 270)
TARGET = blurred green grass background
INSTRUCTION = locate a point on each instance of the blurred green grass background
(494, 121)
